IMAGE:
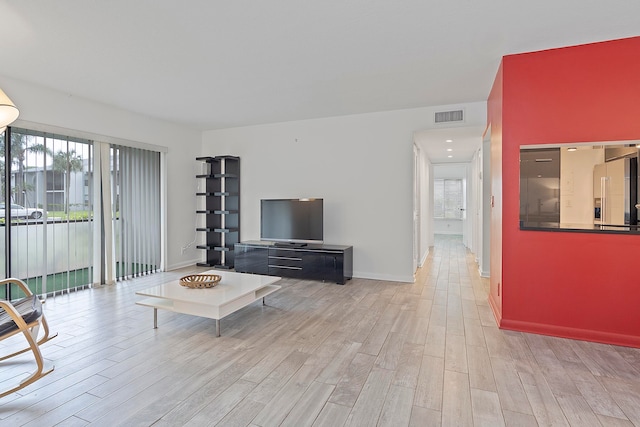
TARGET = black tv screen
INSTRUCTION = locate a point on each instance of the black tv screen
(291, 220)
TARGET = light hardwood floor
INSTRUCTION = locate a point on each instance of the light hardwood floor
(364, 354)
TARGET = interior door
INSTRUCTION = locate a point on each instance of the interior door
(416, 207)
(465, 223)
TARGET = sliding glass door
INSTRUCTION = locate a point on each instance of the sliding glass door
(48, 224)
(136, 180)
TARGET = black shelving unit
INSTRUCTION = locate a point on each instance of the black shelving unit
(221, 210)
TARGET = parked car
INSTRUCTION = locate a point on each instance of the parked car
(18, 211)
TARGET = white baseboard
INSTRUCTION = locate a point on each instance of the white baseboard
(356, 274)
(389, 278)
(424, 258)
(182, 264)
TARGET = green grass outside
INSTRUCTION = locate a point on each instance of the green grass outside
(61, 216)
(61, 281)
(70, 280)
(72, 216)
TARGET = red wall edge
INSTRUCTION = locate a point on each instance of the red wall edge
(497, 312)
(575, 285)
(573, 333)
(494, 120)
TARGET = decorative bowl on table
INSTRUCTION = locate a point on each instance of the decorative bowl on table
(200, 281)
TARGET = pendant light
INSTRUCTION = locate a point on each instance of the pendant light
(8, 110)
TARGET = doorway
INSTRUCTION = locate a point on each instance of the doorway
(454, 149)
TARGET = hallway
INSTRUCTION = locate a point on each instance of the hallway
(363, 354)
(530, 379)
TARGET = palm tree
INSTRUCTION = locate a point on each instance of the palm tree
(67, 162)
(19, 149)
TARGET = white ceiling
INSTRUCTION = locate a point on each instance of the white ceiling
(435, 144)
(211, 64)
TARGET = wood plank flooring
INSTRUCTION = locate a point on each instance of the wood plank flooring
(318, 354)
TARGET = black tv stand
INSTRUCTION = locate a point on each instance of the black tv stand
(329, 263)
(289, 245)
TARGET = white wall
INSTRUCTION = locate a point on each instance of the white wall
(447, 226)
(362, 165)
(426, 208)
(450, 171)
(485, 207)
(59, 112)
(475, 203)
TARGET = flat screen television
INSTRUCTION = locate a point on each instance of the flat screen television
(293, 221)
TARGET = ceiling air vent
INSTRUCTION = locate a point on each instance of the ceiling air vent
(449, 116)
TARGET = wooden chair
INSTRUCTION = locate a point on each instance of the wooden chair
(24, 315)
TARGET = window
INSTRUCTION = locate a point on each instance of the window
(50, 230)
(448, 197)
(54, 240)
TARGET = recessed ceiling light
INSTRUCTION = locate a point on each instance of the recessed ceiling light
(449, 149)
(449, 140)
(449, 156)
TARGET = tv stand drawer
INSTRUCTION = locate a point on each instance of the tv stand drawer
(281, 261)
(285, 253)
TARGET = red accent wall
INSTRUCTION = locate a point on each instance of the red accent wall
(495, 128)
(576, 285)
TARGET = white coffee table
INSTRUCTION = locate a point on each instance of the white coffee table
(235, 291)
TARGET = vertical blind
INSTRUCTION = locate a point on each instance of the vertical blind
(81, 211)
(136, 210)
(49, 232)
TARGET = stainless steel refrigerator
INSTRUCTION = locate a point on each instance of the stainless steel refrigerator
(615, 188)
